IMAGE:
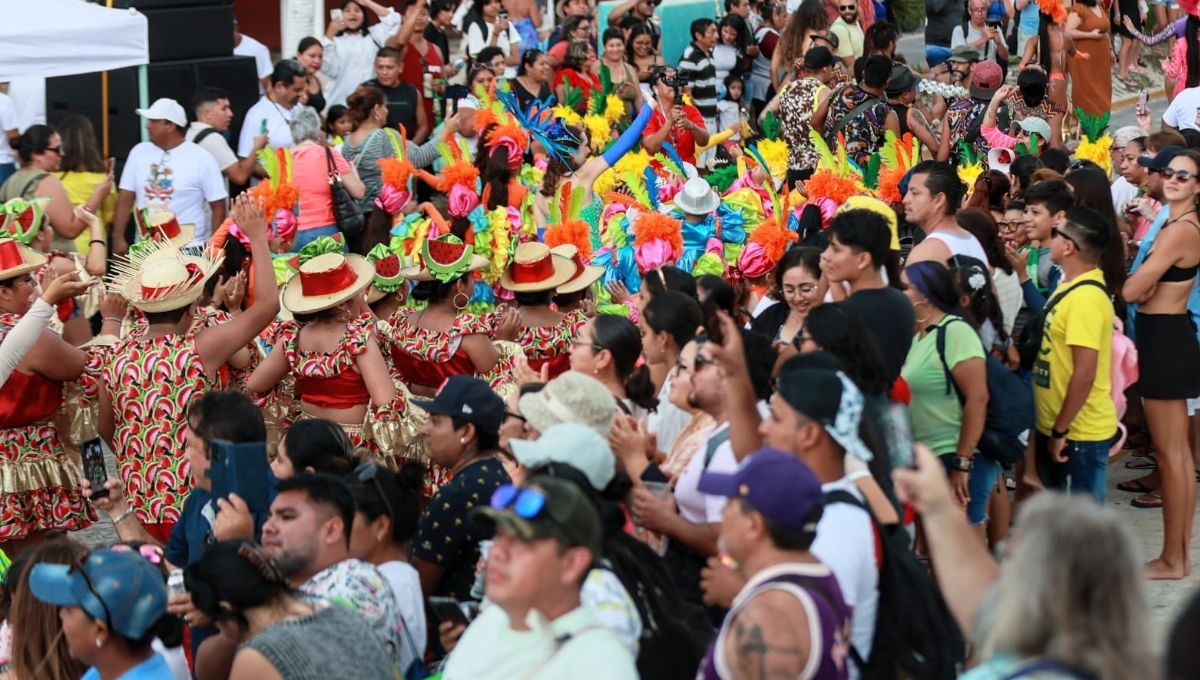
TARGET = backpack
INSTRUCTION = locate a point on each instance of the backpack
(1011, 413)
(1030, 344)
(915, 634)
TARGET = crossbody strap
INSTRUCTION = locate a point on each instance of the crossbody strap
(855, 112)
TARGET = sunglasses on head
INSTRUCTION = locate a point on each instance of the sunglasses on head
(1181, 175)
(369, 472)
(524, 502)
(1056, 232)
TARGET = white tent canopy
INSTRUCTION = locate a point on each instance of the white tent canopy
(46, 38)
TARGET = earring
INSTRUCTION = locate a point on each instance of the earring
(462, 440)
(466, 300)
(99, 643)
(926, 319)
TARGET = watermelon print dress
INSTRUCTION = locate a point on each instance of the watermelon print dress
(330, 380)
(39, 483)
(426, 358)
(151, 382)
(551, 344)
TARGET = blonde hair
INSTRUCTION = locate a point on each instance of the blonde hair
(39, 648)
(1071, 592)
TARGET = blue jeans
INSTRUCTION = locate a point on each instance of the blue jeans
(306, 236)
(980, 482)
(7, 170)
(1086, 469)
(935, 54)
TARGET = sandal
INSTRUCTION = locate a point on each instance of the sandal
(1135, 486)
(1151, 501)
(1142, 463)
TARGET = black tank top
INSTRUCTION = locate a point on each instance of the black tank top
(901, 114)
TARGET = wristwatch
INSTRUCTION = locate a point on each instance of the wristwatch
(962, 463)
(1058, 434)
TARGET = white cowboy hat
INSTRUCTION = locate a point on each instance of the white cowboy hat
(17, 259)
(158, 277)
(326, 281)
(697, 198)
(536, 268)
(586, 274)
(163, 226)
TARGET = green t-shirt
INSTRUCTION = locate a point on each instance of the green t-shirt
(936, 413)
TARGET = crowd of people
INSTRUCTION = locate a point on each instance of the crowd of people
(490, 351)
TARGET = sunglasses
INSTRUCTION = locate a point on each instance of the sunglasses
(87, 580)
(1055, 232)
(518, 416)
(1076, 165)
(1012, 225)
(845, 7)
(1181, 175)
(56, 149)
(369, 472)
(152, 553)
(524, 503)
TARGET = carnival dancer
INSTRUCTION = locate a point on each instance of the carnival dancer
(546, 334)
(149, 379)
(331, 351)
(39, 484)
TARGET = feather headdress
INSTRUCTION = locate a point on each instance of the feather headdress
(541, 123)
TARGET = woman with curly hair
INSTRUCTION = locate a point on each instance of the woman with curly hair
(810, 19)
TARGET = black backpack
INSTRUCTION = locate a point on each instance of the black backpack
(1030, 344)
(915, 634)
(1011, 413)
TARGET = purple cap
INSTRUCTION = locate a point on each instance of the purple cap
(779, 485)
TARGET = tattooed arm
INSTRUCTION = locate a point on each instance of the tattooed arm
(768, 639)
(921, 130)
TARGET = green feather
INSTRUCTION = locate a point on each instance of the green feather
(270, 163)
(871, 172)
(771, 126)
(722, 178)
(606, 85)
(888, 153)
(668, 164)
(1093, 127)
(576, 204)
(637, 187)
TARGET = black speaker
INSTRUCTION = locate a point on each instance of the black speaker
(190, 32)
(177, 80)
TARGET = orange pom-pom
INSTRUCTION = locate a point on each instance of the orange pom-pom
(458, 173)
(833, 186)
(572, 232)
(396, 172)
(655, 225)
(889, 184)
(484, 118)
(507, 127)
(774, 239)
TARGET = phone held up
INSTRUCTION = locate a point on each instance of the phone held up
(92, 455)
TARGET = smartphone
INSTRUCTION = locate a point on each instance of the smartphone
(1143, 98)
(92, 455)
(712, 323)
(653, 473)
(448, 609)
(504, 14)
(262, 127)
(243, 469)
(111, 165)
(335, 15)
(897, 432)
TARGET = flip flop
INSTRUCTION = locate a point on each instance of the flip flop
(1151, 501)
(1143, 463)
(1135, 486)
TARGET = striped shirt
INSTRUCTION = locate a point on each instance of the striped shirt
(702, 76)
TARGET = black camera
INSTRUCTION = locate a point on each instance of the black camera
(672, 78)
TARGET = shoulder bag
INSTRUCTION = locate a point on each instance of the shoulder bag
(346, 210)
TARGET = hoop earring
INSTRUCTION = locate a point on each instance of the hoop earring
(926, 319)
(466, 301)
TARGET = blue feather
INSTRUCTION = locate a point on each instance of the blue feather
(543, 126)
(674, 155)
(753, 151)
(651, 186)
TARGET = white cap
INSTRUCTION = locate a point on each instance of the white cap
(165, 109)
(572, 444)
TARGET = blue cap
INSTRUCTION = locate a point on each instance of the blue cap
(120, 588)
(779, 485)
(1161, 159)
(468, 399)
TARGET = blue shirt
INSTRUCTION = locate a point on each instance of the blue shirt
(154, 668)
(1144, 250)
(1027, 21)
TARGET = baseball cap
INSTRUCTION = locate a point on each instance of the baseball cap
(1161, 159)
(818, 57)
(572, 444)
(165, 109)
(964, 54)
(469, 399)
(1036, 126)
(544, 507)
(830, 398)
(570, 398)
(986, 78)
(120, 588)
(828, 36)
(902, 80)
(776, 484)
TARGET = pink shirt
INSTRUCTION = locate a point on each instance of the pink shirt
(310, 174)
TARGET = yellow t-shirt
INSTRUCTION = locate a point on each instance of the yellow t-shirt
(1083, 319)
(850, 38)
(79, 186)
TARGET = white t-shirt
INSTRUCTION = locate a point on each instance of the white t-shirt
(477, 40)
(846, 544)
(176, 660)
(183, 180)
(9, 120)
(249, 47)
(350, 58)
(668, 420)
(697, 507)
(213, 143)
(1181, 114)
(406, 588)
(279, 131)
(29, 95)
(606, 597)
(1123, 191)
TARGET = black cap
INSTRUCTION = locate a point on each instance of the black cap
(1162, 159)
(818, 58)
(902, 80)
(828, 397)
(468, 399)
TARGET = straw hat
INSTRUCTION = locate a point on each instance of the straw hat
(585, 274)
(163, 226)
(385, 283)
(536, 268)
(326, 281)
(17, 259)
(444, 258)
(697, 198)
(158, 277)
